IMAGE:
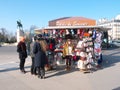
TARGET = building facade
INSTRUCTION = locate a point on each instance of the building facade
(72, 21)
(114, 24)
(68, 21)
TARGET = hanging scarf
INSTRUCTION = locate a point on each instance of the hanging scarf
(94, 34)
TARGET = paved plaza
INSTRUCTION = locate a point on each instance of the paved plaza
(107, 78)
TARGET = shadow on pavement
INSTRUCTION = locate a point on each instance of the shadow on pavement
(118, 88)
(108, 61)
(12, 69)
(111, 59)
(61, 71)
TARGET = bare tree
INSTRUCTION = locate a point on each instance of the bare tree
(32, 28)
(6, 36)
(3, 34)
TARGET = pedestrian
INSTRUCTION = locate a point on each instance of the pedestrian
(21, 49)
(33, 69)
(39, 49)
(68, 49)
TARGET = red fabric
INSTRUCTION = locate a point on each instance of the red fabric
(51, 46)
(61, 31)
(74, 57)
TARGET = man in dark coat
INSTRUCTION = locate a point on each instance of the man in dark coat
(21, 49)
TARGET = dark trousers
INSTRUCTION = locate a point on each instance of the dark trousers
(68, 60)
(22, 63)
(33, 69)
(100, 60)
(41, 71)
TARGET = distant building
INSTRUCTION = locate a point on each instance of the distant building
(114, 24)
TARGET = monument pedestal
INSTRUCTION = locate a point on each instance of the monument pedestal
(20, 33)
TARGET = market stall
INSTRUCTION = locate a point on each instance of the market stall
(87, 42)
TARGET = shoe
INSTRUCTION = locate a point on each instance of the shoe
(42, 77)
(67, 68)
(98, 66)
(32, 73)
(35, 74)
(23, 71)
(38, 76)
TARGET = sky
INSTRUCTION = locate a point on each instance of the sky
(39, 12)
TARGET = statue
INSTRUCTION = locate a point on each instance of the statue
(19, 25)
(20, 32)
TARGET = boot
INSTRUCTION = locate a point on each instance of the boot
(23, 71)
(67, 68)
(42, 77)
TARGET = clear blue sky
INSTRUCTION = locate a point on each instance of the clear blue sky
(39, 12)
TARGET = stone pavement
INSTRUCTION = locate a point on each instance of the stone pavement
(107, 78)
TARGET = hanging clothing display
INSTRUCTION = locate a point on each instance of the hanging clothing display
(86, 49)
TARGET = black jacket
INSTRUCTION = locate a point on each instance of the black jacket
(21, 49)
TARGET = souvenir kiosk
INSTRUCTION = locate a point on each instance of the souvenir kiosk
(87, 42)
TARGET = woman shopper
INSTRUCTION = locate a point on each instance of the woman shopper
(68, 49)
(40, 56)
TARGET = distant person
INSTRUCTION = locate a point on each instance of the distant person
(39, 50)
(21, 49)
(33, 69)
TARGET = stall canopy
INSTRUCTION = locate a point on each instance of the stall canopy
(101, 28)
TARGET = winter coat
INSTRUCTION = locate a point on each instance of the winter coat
(65, 49)
(31, 49)
(40, 56)
(21, 49)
